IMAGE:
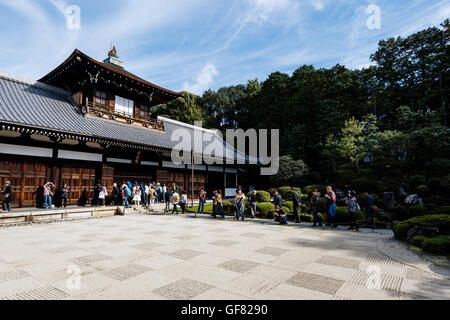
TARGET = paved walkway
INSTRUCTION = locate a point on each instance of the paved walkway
(179, 257)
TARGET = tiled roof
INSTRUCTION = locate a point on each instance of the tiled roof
(37, 105)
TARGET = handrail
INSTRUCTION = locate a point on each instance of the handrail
(146, 121)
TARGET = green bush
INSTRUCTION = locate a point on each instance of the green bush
(440, 221)
(417, 180)
(286, 193)
(272, 190)
(228, 207)
(362, 185)
(265, 209)
(261, 196)
(343, 216)
(309, 189)
(400, 213)
(289, 204)
(422, 191)
(417, 211)
(434, 185)
(418, 241)
(362, 199)
(286, 209)
(443, 210)
(437, 245)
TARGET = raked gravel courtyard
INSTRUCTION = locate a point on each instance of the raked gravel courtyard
(179, 257)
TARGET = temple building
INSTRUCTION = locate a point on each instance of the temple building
(89, 121)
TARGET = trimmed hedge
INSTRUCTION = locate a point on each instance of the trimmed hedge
(362, 199)
(261, 196)
(443, 210)
(343, 216)
(265, 209)
(309, 189)
(418, 241)
(440, 221)
(417, 211)
(437, 245)
(286, 193)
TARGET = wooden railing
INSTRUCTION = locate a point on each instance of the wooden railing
(113, 114)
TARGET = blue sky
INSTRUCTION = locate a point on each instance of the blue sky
(195, 45)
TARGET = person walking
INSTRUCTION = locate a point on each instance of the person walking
(116, 195)
(202, 200)
(102, 196)
(175, 201)
(164, 191)
(239, 201)
(296, 202)
(314, 208)
(280, 215)
(137, 197)
(331, 204)
(7, 197)
(48, 193)
(253, 202)
(126, 193)
(167, 199)
(369, 209)
(183, 202)
(64, 191)
(220, 210)
(160, 198)
(278, 200)
(352, 208)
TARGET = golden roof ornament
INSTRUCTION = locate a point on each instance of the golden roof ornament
(113, 52)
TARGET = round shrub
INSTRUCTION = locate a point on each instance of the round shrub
(289, 204)
(437, 245)
(261, 196)
(228, 207)
(443, 210)
(417, 211)
(342, 216)
(400, 213)
(309, 189)
(440, 221)
(286, 209)
(418, 241)
(265, 209)
(417, 180)
(286, 193)
(362, 199)
(272, 190)
(362, 185)
(434, 185)
(422, 191)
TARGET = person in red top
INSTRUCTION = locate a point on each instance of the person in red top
(202, 200)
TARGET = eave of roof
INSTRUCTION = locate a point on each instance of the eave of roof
(115, 70)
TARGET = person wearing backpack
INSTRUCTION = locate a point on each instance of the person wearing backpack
(125, 194)
(352, 208)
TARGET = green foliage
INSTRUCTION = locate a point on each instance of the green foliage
(261, 196)
(437, 245)
(289, 205)
(417, 180)
(418, 241)
(400, 212)
(422, 191)
(440, 221)
(309, 189)
(434, 185)
(290, 172)
(286, 194)
(444, 210)
(286, 209)
(362, 185)
(342, 216)
(362, 199)
(266, 210)
(417, 211)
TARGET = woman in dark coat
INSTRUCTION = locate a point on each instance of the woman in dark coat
(7, 197)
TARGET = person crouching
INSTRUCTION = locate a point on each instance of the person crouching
(280, 215)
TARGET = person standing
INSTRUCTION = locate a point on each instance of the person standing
(97, 189)
(202, 200)
(280, 215)
(239, 201)
(368, 209)
(125, 194)
(352, 208)
(48, 193)
(116, 195)
(183, 202)
(160, 197)
(102, 196)
(220, 210)
(296, 201)
(7, 197)
(137, 197)
(253, 200)
(175, 201)
(64, 194)
(164, 191)
(167, 199)
(331, 203)
(214, 199)
(314, 208)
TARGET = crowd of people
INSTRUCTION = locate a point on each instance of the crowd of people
(145, 195)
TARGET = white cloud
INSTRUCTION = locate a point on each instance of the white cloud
(318, 4)
(265, 10)
(203, 80)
